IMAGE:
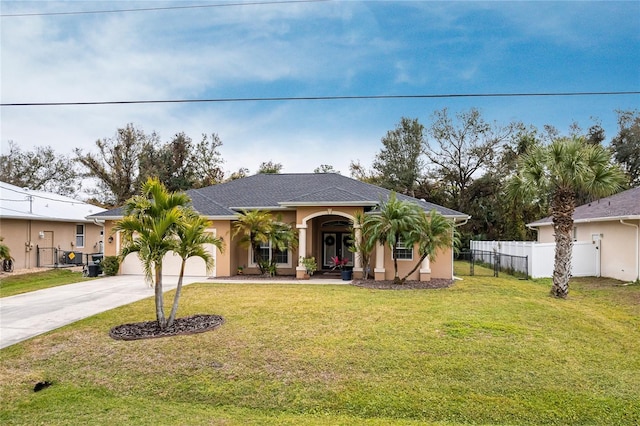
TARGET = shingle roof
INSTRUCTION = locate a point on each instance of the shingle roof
(621, 205)
(278, 191)
(21, 203)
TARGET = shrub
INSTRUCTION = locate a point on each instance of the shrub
(110, 265)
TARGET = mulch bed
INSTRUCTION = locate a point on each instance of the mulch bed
(435, 283)
(150, 329)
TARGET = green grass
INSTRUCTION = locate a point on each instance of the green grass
(485, 351)
(17, 284)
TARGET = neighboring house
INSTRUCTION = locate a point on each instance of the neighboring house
(44, 229)
(320, 205)
(612, 225)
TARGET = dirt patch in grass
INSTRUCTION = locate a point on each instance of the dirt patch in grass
(151, 329)
(407, 285)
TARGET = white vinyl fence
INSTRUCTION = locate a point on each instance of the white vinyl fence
(585, 261)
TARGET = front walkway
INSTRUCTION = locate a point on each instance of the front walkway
(29, 314)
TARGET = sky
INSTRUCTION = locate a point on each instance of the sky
(263, 49)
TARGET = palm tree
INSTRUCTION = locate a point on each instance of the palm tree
(192, 235)
(149, 228)
(393, 223)
(364, 245)
(560, 171)
(255, 228)
(434, 232)
(282, 237)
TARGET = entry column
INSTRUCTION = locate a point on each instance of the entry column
(379, 271)
(302, 249)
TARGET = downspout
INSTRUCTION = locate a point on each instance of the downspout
(637, 247)
(101, 224)
(537, 231)
(464, 222)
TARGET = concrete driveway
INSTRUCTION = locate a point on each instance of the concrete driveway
(29, 314)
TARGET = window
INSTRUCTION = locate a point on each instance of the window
(403, 252)
(79, 235)
(280, 257)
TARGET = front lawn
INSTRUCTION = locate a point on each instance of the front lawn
(11, 285)
(485, 351)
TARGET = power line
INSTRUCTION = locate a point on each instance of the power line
(30, 195)
(149, 9)
(322, 98)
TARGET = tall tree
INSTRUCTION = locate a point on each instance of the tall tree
(463, 149)
(116, 166)
(192, 236)
(207, 161)
(358, 171)
(399, 163)
(269, 167)
(41, 169)
(325, 168)
(559, 171)
(239, 174)
(150, 224)
(626, 144)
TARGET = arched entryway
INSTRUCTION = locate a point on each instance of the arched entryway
(336, 242)
(325, 234)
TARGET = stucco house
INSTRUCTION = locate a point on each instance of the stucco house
(612, 225)
(43, 229)
(321, 206)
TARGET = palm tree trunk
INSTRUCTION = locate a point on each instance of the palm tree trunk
(258, 258)
(415, 268)
(563, 207)
(176, 297)
(159, 297)
(396, 276)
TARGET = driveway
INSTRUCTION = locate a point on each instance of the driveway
(29, 314)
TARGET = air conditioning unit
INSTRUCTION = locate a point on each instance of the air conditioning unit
(71, 258)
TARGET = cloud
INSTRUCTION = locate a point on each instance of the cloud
(332, 48)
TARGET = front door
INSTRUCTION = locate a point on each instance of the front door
(47, 255)
(336, 244)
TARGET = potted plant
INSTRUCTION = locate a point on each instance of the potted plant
(310, 265)
(341, 265)
(240, 270)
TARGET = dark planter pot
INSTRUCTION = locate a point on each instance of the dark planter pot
(347, 274)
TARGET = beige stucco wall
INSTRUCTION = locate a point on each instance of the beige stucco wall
(226, 260)
(23, 239)
(234, 255)
(618, 252)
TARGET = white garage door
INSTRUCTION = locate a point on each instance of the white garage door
(195, 266)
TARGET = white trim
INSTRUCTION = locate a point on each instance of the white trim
(252, 264)
(327, 212)
(403, 248)
(84, 235)
(588, 220)
(325, 203)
